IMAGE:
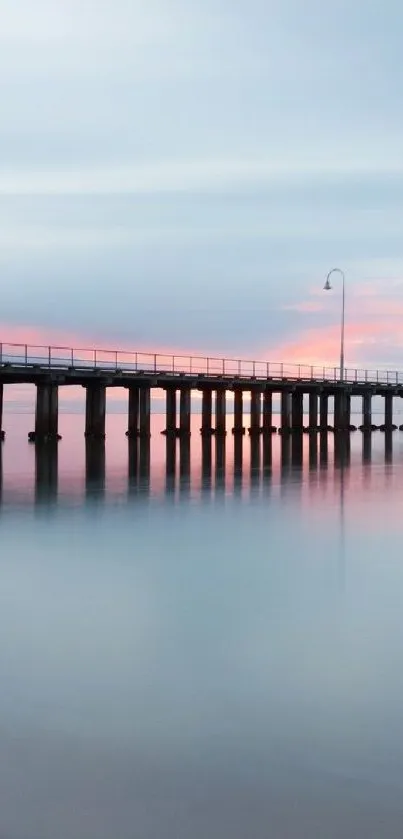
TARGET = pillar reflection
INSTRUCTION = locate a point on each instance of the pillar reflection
(206, 463)
(367, 447)
(95, 466)
(238, 461)
(342, 449)
(170, 464)
(46, 471)
(220, 461)
(254, 460)
(388, 446)
(324, 450)
(313, 451)
(267, 453)
(184, 464)
(297, 450)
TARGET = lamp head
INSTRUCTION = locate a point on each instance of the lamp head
(327, 286)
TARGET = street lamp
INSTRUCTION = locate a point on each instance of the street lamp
(328, 287)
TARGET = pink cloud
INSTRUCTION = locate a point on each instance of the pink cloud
(305, 307)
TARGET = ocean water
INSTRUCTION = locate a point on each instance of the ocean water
(200, 643)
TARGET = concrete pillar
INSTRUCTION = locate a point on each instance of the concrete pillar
(347, 405)
(220, 412)
(341, 417)
(297, 410)
(238, 412)
(207, 412)
(285, 410)
(184, 411)
(46, 413)
(133, 412)
(170, 426)
(313, 411)
(1, 412)
(255, 403)
(53, 411)
(95, 409)
(388, 410)
(324, 411)
(367, 410)
(367, 447)
(145, 412)
(267, 411)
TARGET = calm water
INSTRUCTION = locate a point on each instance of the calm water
(207, 646)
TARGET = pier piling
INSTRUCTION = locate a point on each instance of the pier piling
(95, 410)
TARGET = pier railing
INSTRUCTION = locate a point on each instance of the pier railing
(62, 358)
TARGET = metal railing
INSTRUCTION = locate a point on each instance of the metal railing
(64, 358)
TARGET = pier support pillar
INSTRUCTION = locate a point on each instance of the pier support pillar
(313, 411)
(133, 412)
(267, 412)
(324, 411)
(297, 410)
(46, 413)
(95, 409)
(207, 413)
(255, 403)
(170, 395)
(1, 411)
(185, 412)
(367, 411)
(388, 411)
(285, 410)
(220, 412)
(341, 411)
(238, 412)
(348, 410)
(145, 412)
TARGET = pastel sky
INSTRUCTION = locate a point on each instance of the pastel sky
(183, 175)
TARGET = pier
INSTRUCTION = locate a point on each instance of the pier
(301, 390)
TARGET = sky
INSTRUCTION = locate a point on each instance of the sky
(182, 176)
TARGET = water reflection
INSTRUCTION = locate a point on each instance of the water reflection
(237, 464)
(46, 472)
(220, 454)
(95, 462)
(367, 447)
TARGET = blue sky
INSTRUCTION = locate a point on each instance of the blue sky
(183, 175)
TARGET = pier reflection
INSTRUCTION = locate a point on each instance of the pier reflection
(220, 462)
(342, 449)
(139, 466)
(46, 472)
(95, 467)
(197, 465)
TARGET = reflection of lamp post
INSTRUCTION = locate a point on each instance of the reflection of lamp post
(329, 287)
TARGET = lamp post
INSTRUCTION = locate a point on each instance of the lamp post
(328, 287)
